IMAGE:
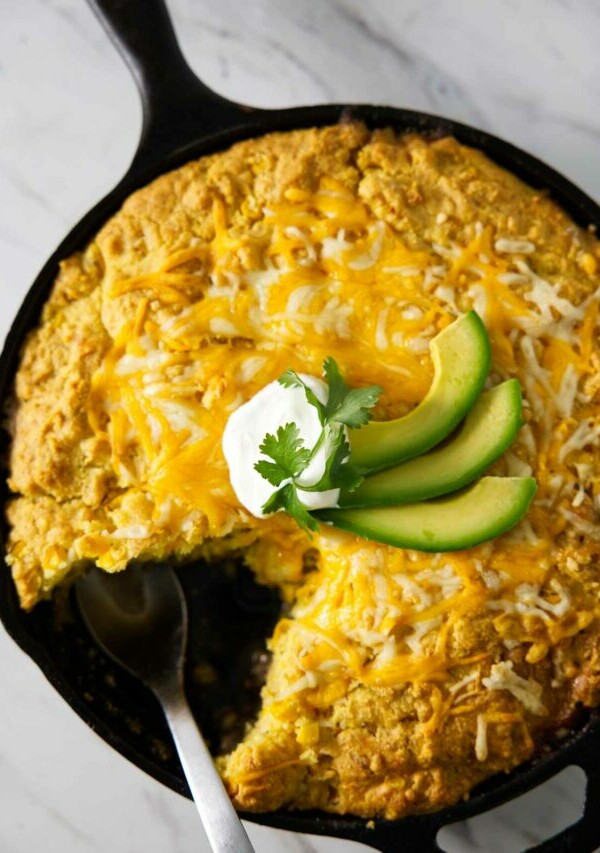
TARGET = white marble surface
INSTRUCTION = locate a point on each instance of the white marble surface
(69, 120)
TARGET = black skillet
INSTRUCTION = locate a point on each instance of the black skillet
(230, 615)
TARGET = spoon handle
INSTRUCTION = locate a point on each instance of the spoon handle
(221, 823)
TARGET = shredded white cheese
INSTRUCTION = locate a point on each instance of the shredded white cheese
(585, 435)
(526, 691)
(134, 531)
(481, 747)
(514, 247)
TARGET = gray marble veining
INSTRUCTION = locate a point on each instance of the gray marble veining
(69, 121)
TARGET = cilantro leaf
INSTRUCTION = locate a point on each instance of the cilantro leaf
(348, 406)
(290, 379)
(272, 472)
(288, 457)
(337, 386)
(287, 498)
(355, 412)
(288, 453)
(278, 500)
(339, 472)
(342, 473)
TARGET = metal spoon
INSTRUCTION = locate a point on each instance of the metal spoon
(139, 618)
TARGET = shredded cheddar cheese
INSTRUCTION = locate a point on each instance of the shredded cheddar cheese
(315, 277)
(467, 647)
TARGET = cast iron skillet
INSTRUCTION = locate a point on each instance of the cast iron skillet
(183, 119)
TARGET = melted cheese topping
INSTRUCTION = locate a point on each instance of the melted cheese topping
(318, 275)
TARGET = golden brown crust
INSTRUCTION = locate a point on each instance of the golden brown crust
(378, 753)
(46, 529)
(53, 450)
(405, 184)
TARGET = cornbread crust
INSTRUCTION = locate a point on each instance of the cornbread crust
(343, 743)
(54, 451)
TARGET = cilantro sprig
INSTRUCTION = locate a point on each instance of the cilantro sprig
(348, 406)
(345, 408)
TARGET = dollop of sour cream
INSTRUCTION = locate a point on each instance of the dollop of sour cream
(272, 407)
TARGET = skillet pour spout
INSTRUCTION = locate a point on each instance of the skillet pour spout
(183, 119)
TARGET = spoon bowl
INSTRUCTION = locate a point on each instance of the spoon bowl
(139, 618)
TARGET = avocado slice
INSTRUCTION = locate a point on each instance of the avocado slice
(461, 360)
(488, 430)
(483, 511)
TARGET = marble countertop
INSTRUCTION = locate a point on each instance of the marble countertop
(69, 123)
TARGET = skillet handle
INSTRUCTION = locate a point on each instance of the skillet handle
(584, 835)
(177, 107)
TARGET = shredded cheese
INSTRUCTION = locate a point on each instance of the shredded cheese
(526, 691)
(481, 746)
(319, 275)
(514, 247)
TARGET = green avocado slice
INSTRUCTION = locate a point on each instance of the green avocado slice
(488, 430)
(461, 360)
(483, 511)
